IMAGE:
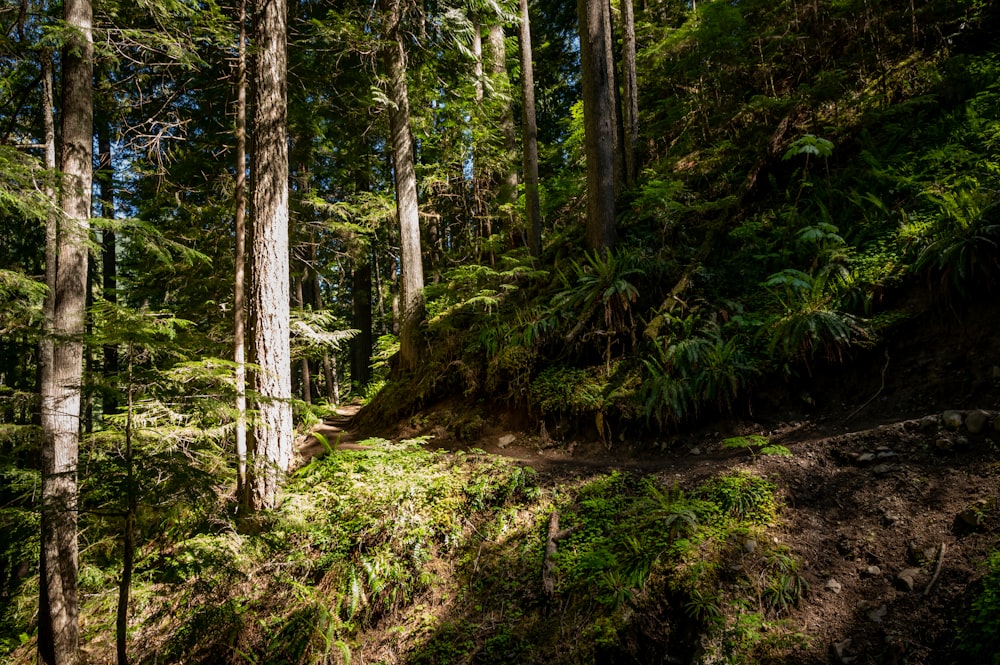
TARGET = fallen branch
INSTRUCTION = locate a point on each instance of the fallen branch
(549, 564)
(937, 569)
(872, 399)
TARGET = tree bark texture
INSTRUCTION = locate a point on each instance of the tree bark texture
(498, 67)
(599, 125)
(630, 105)
(361, 345)
(532, 206)
(58, 612)
(407, 206)
(239, 259)
(269, 276)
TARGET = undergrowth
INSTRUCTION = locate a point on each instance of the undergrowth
(396, 552)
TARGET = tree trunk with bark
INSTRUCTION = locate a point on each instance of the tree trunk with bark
(599, 125)
(239, 260)
(66, 268)
(532, 206)
(269, 276)
(109, 250)
(361, 345)
(407, 206)
(630, 105)
(507, 196)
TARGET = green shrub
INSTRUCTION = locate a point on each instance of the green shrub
(979, 635)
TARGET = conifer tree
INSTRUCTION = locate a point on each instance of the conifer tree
(269, 263)
(62, 354)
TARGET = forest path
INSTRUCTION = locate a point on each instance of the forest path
(336, 429)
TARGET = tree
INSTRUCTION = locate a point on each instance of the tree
(239, 258)
(599, 120)
(498, 67)
(532, 207)
(407, 204)
(630, 105)
(269, 264)
(62, 348)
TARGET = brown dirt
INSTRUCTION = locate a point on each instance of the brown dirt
(844, 513)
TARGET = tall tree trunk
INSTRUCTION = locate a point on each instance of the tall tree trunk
(614, 94)
(305, 375)
(361, 345)
(407, 206)
(269, 276)
(58, 611)
(498, 67)
(630, 106)
(109, 250)
(599, 125)
(128, 534)
(332, 389)
(239, 259)
(532, 206)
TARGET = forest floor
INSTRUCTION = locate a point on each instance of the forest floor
(890, 511)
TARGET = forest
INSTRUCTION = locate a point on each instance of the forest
(482, 331)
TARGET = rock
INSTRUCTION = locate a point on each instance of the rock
(973, 517)
(906, 579)
(882, 469)
(887, 455)
(878, 614)
(961, 442)
(944, 444)
(930, 422)
(866, 457)
(695, 451)
(871, 571)
(889, 519)
(506, 440)
(750, 546)
(952, 419)
(976, 421)
(839, 650)
(833, 585)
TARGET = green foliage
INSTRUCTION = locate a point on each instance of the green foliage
(743, 496)
(752, 441)
(698, 363)
(979, 631)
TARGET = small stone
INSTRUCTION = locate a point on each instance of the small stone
(906, 579)
(961, 442)
(840, 651)
(883, 469)
(911, 425)
(887, 455)
(972, 518)
(890, 519)
(871, 571)
(976, 421)
(878, 614)
(930, 422)
(506, 440)
(750, 546)
(695, 451)
(833, 585)
(952, 419)
(866, 457)
(944, 444)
